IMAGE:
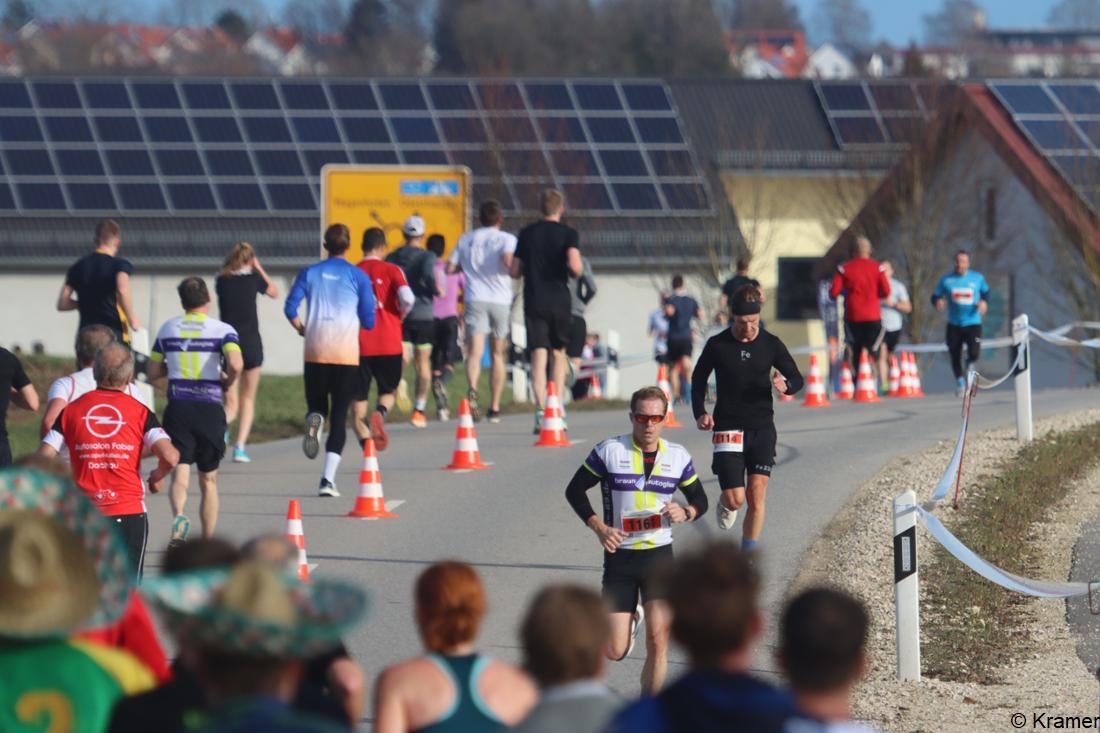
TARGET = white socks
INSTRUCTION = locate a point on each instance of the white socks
(421, 404)
(332, 463)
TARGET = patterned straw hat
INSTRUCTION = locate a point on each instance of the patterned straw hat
(252, 610)
(62, 565)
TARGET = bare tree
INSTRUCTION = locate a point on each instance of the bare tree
(764, 15)
(954, 24)
(1075, 14)
(844, 23)
(314, 17)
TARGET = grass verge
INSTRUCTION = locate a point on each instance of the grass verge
(975, 627)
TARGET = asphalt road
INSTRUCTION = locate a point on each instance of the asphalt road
(513, 524)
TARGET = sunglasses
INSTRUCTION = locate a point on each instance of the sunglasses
(647, 419)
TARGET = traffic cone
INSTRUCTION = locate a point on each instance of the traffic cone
(815, 386)
(666, 387)
(552, 431)
(914, 372)
(594, 391)
(466, 454)
(847, 387)
(296, 536)
(370, 503)
(894, 379)
(866, 390)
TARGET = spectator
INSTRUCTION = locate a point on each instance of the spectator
(62, 567)
(830, 319)
(248, 629)
(894, 306)
(864, 284)
(547, 255)
(15, 387)
(445, 351)
(484, 256)
(657, 329)
(101, 283)
(564, 635)
(582, 290)
(680, 309)
(731, 286)
(241, 279)
(451, 687)
(821, 648)
(713, 594)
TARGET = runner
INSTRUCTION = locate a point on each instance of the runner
(418, 329)
(894, 306)
(680, 309)
(241, 279)
(864, 284)
(106, 431)
(657, 329)
(742, 358)
(380, 347)
(735, 283)
(445, 349)
(341, 301)
(101, 283)
(189, 350)
(969, 299)
(15, 387)
(638, 474)
(581, 292)
(547, 254)
(827, 309)
(484, 256)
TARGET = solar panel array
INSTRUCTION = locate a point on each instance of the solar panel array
(865, 114)
(256, 146)
(1062, 119)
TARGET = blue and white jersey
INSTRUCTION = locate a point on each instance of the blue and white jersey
(191, 347)
(341, 301)
(631, 502)
(963, 293)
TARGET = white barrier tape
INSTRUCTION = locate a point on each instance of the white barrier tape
(989, 571)
(984, 383)
(1057, 336)
(952, 470)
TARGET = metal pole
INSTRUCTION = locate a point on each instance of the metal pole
(906, 588)
(1021, 339)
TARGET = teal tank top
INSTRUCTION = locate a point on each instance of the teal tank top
(469, 714)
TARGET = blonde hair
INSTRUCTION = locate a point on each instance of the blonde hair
(551, 202)
(241, 254)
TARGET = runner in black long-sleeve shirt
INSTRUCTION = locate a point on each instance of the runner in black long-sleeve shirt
(742, 358)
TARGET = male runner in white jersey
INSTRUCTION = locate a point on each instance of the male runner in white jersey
(638, 473)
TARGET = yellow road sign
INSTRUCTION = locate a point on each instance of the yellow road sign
(364, 196)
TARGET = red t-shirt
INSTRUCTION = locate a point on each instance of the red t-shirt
(105, 432)
(864, 284)
(385, 338)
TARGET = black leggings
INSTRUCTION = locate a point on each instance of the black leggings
(134, 531)
(330, 389)
(956, 337)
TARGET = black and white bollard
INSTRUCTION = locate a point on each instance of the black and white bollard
(1021, 339)
(906, 594)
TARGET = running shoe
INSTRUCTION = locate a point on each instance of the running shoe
(402, 396)
(378, 431)
(443, 415)
(181, 527)
(239, 455)
(538, 420)
(726, 517)
(327, 488)
(475, 408)
(635, 622)
(439, 392)
(960, 387)
(418, 419)
(493, 416)
(311, 444)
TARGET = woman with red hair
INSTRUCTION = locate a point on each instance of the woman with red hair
(451, 688)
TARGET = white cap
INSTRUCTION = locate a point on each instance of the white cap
(414, 227)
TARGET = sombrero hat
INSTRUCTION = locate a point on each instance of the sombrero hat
(252, 610)
(62, 565)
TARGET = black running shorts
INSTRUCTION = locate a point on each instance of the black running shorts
(386, 370)
(197, 430)
(757, 457)
(628, 574)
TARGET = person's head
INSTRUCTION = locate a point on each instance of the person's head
(272, 549)
(55, 466)
(413, 230)
(551, 204)
(491, 213)
(374, 241)
(888, 268)
(89, 340)
(648, 408)
(564, 635)
(108, 234)
(450, 603)
(113, 367)
(239, 257)
(742, 265)
(436, 244)
(745, 313)
(337, 239)
(712, 592)
(200, 553)
(677, 282)
(962, 262)
(193, 293)
(863, 247)
(821, 640)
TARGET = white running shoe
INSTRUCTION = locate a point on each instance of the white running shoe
(726, 517)
(635, 621)
(311, 444)
(327, 488)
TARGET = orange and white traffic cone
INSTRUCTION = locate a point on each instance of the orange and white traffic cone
(594, 390)
(467, 456)
(894, 379)
(815, 386)
(370, 503)
(552, 430)
(847, 386)
(666, 387)
(866, 390)
(297, 537)
(914, 372)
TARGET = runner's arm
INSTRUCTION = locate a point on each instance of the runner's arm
(696, 496)
(156, 369)
(586, 286)
(366, 300)
(271, 291)
(516, 268)
(838, 283)
(576, 493)
(940, 292)
(699, 378)
(25, 397)
(786, 366)
(234, 362)
(573, 261)
(65, 301)
(160, 445)
(883, 283)
(126, 299)
(53, 441)
(53, 409)
(293, 300)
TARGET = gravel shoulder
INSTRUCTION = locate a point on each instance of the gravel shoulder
(1045, 676)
